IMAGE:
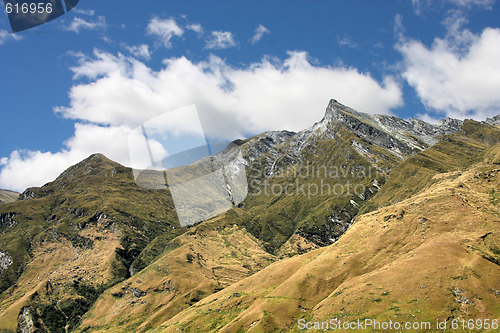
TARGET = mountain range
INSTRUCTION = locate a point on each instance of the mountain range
(358, 216)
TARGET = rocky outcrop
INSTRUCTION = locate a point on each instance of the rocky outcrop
(494, 121)
(25, 320)
(27, 194)
(402, 138)
(137, 292)
(266, 142)
(7, 220)
(5, 260)
(391, 132)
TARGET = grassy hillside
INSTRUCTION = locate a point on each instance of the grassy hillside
(8, 196)
(84, 229)
(454, 153)
(316, 195)
(92, 251)
(434, 255)
(204, 260)
(241, 242)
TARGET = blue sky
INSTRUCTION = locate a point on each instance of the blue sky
(81, 83)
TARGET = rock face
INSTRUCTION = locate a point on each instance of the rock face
(494, 121)
(5, 260)
(25, 322)
(280, 149)
(7, 220)
(391, 132)
(344, 138)
(400, 137)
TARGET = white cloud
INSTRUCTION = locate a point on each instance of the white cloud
(458, 75)
(6, 36)
(260, 31)
(123, 93)
(102, 64)
(164, 29)
(88, 12)
(196, 27)
(78, 24)
(347, 41)
(23, 169)
(420, 5)
(220, 40)
(469, 3)
(141, 51)
(399, 28)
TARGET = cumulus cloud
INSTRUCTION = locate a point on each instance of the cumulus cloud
(114, 94)
(220, 40)
(100, 65)
(140, 51)
(6, 36)
(78, 24)
(164, 29)
(458, 75)
(196, 27)
(260, 31)
(23, 169)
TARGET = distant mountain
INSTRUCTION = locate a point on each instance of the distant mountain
(8, 196)
(93, 251)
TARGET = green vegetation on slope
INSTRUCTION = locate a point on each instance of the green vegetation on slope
(96, 195)
(455, 152)
(317, 196)
(433, 255)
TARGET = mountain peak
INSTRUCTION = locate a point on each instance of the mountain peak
(96, 165)
(400, 128)
(336, 111)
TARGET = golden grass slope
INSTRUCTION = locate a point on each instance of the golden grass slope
(207, 258)
(8, 196)
(56, 264)
(435, 255)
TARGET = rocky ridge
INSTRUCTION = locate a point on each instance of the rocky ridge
(402, 138)
(493, 121)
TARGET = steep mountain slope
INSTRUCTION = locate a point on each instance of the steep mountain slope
(8, 196)
(307, 189)
(453, 153)
(71, 238)
(337, 153)
(93, 235)
(204, 260)
(434, 255)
